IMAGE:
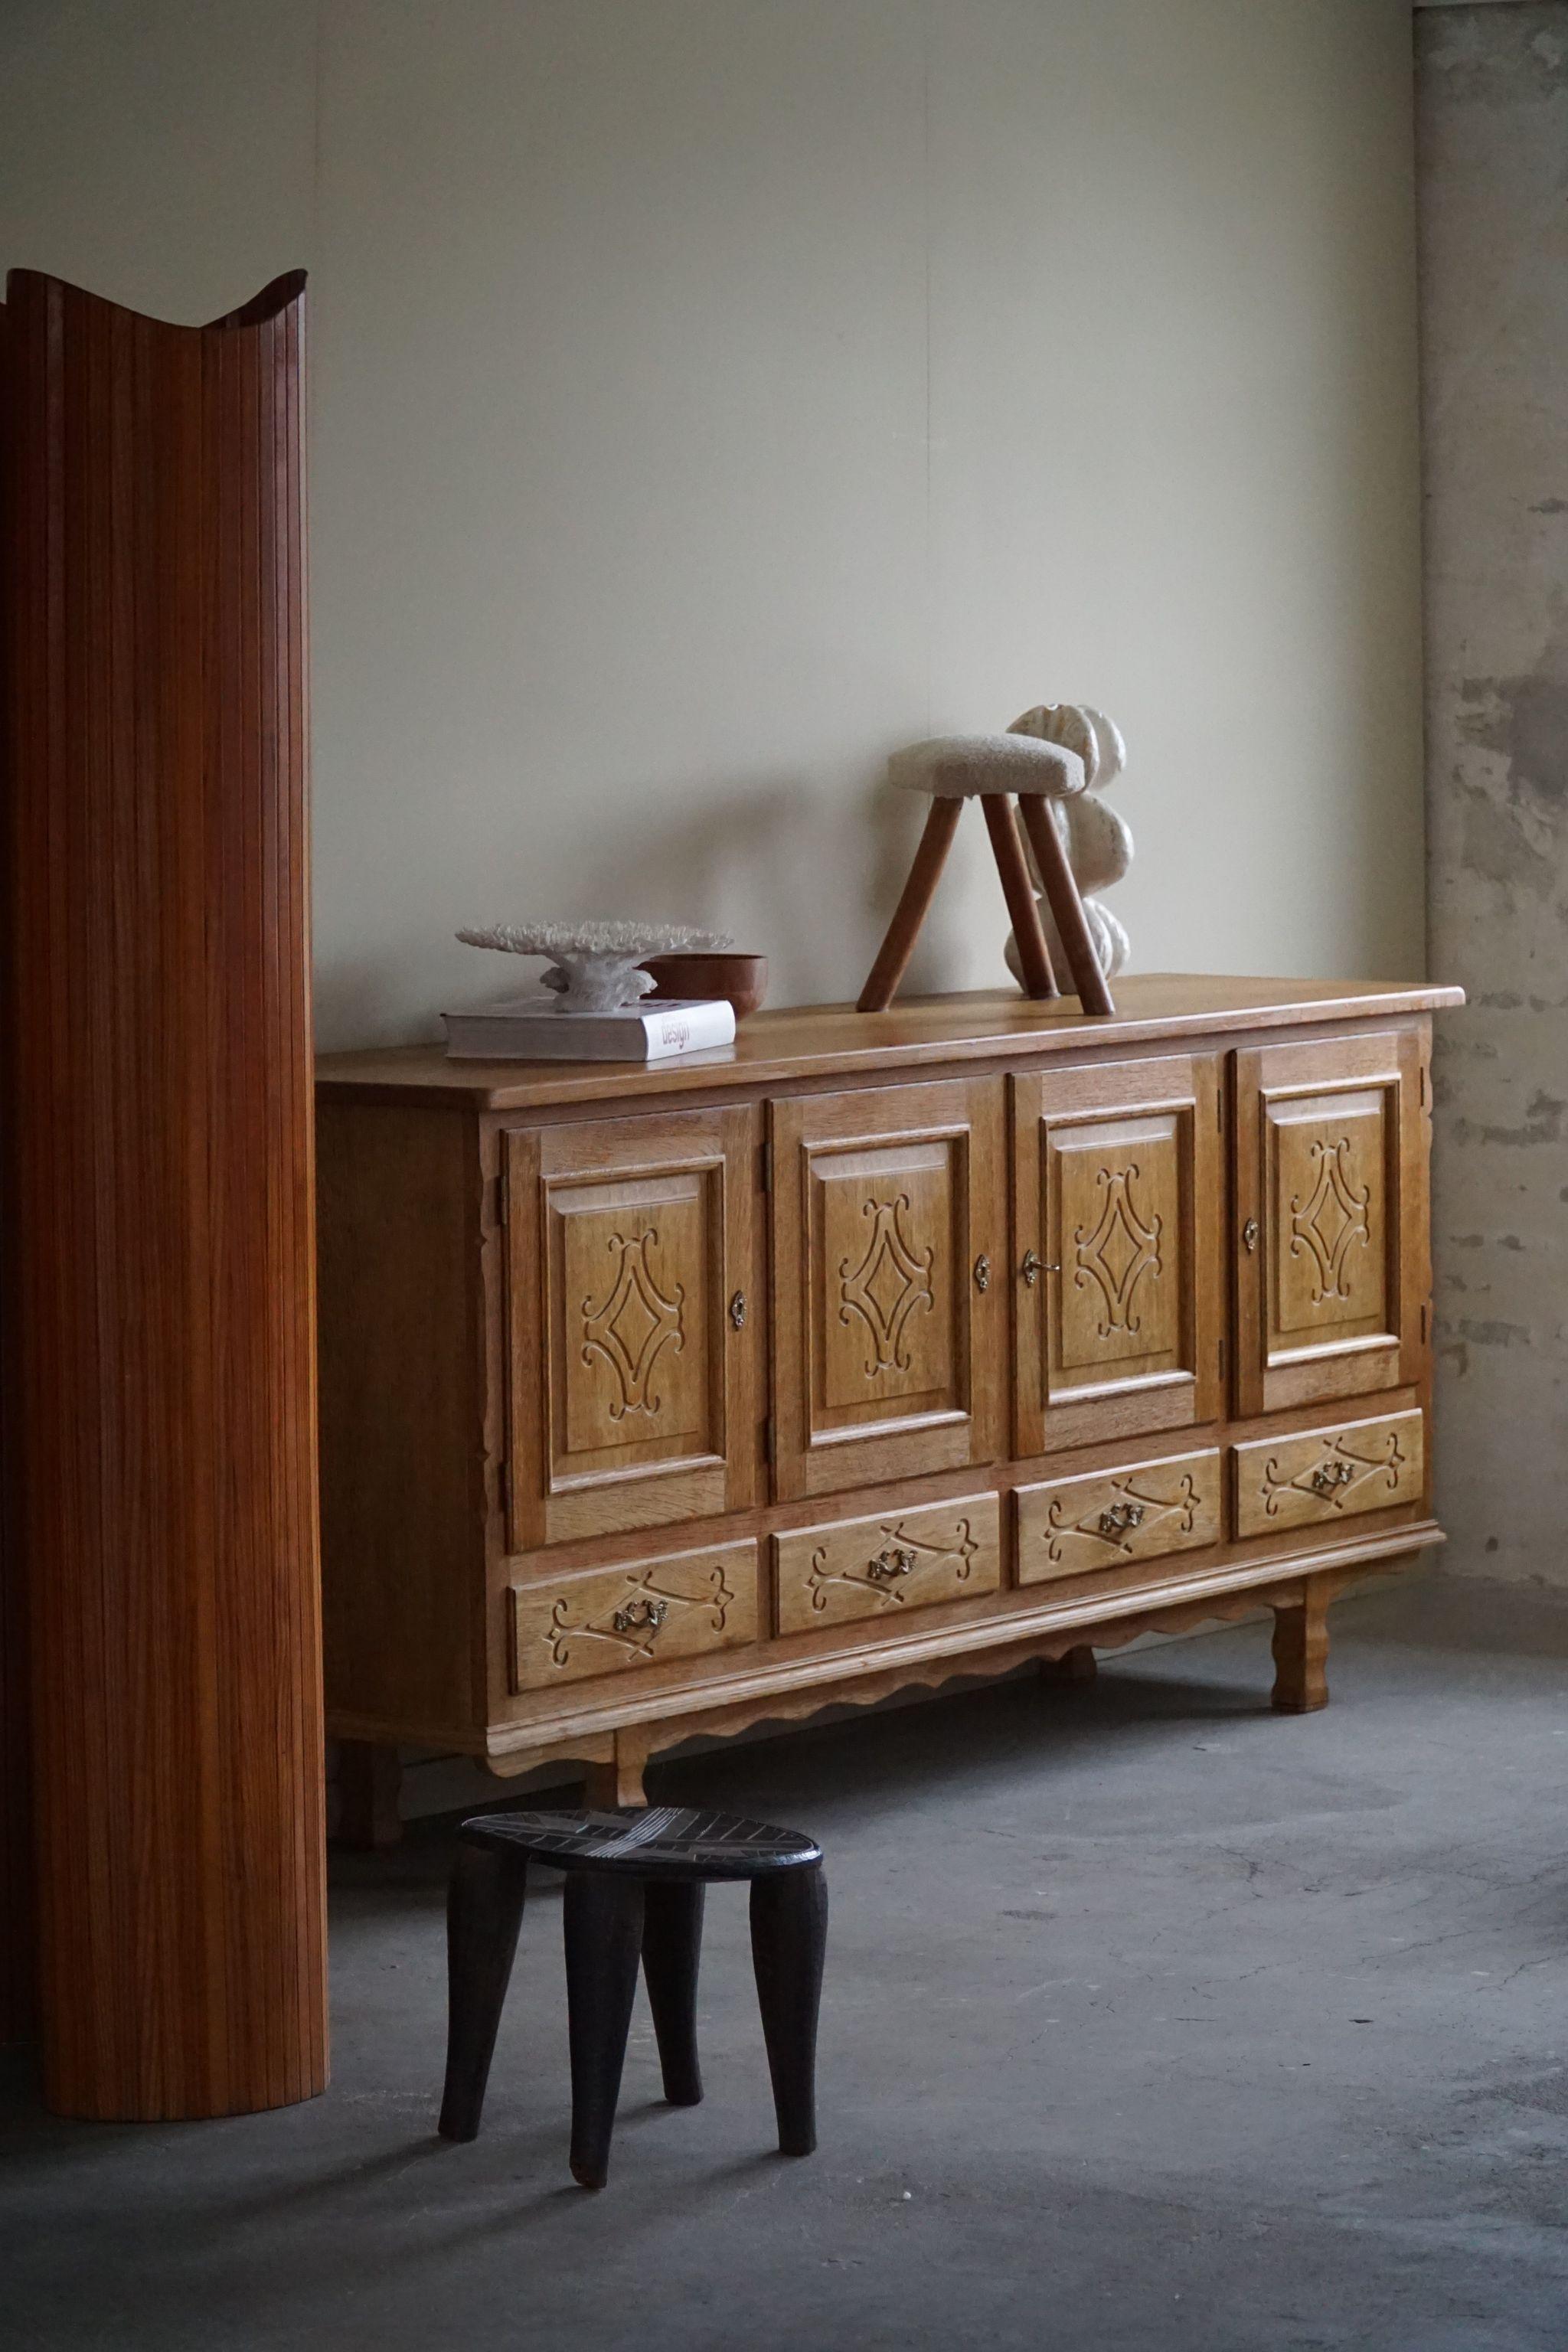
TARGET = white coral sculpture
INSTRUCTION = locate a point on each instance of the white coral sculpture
(1097, 841)
(593, 966)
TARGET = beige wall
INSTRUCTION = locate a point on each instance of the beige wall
(709, 394)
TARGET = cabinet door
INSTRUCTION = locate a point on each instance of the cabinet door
(633, 1389)
(1331, 1218)
(889, 1293)
(1118, 1211)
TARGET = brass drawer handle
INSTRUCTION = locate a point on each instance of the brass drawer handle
(893, 1559)
(640, 1612)
(1329, 1475)
(1033, 1267)
(737, 1311)
(1251, 1233)
(1116, 1518)
(983, 1272)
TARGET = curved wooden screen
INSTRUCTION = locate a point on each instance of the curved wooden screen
(15, 1852)
(159, 1199)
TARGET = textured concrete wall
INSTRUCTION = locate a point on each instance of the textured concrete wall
(1493, 178)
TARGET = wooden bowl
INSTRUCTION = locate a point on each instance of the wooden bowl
(710, 973)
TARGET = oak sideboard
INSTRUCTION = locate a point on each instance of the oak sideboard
(875, 1350)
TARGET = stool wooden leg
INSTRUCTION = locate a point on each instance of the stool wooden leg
(671, 1949)
(1039, 979)
(789, 1938)
(1301, 1654)
(893, 956)
(484, 1912)
(1067, 906)
(603, 1923)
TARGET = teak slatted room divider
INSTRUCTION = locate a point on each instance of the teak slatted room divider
(15, 1867)
(159, 1199)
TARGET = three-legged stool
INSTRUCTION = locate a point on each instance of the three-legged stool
(635, 1885)
(992, 769)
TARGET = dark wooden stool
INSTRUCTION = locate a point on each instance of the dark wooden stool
(634, 1889)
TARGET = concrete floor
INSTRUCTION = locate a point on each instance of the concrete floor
(1151, 2019)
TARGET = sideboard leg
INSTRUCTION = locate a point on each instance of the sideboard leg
(369, 1776)
(1075, 1665)
(619, 1782)
(1301, 1652)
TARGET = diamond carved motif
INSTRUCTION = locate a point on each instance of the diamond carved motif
(1338, 1475)
(1122, 1529)
(631, 1623)
(891, 1283)
(1332, 1221)
(633, 1324)
(957, 1557)
(1119, 1252)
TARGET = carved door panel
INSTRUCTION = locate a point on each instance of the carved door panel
(1118, 1209)
(632, 1347)
(1330, 1218)
(889, 1235)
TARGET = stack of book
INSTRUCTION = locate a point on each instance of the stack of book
(536, 1029)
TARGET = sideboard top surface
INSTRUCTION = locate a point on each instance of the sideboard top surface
(807, 1041)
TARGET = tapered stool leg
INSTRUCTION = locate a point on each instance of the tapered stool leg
(789, 1938)
(484, 1912)
(671, 1948)
(603, 1922)
(1034, 955)
(1066, 905)
(893, 955)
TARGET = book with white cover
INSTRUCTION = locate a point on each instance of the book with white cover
(534, 1029)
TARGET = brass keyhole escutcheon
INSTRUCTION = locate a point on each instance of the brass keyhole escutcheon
(1251, 1233)
(737, 1311)
(983, 1272)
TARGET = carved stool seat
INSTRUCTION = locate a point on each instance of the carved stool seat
(635, 1883)
(992, 769)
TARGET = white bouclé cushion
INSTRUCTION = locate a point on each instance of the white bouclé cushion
(960, 767)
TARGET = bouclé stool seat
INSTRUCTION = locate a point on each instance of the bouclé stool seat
(635, 1886)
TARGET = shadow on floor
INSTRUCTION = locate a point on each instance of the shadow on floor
(1150, 2019)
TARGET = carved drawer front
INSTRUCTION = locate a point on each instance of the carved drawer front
(889, 1239)
(633, 1356)
(1331, 1208)
(1118, 1203)
(566, 1630)
(1072, 1526)
(883, 1566)
(1329, 1474)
